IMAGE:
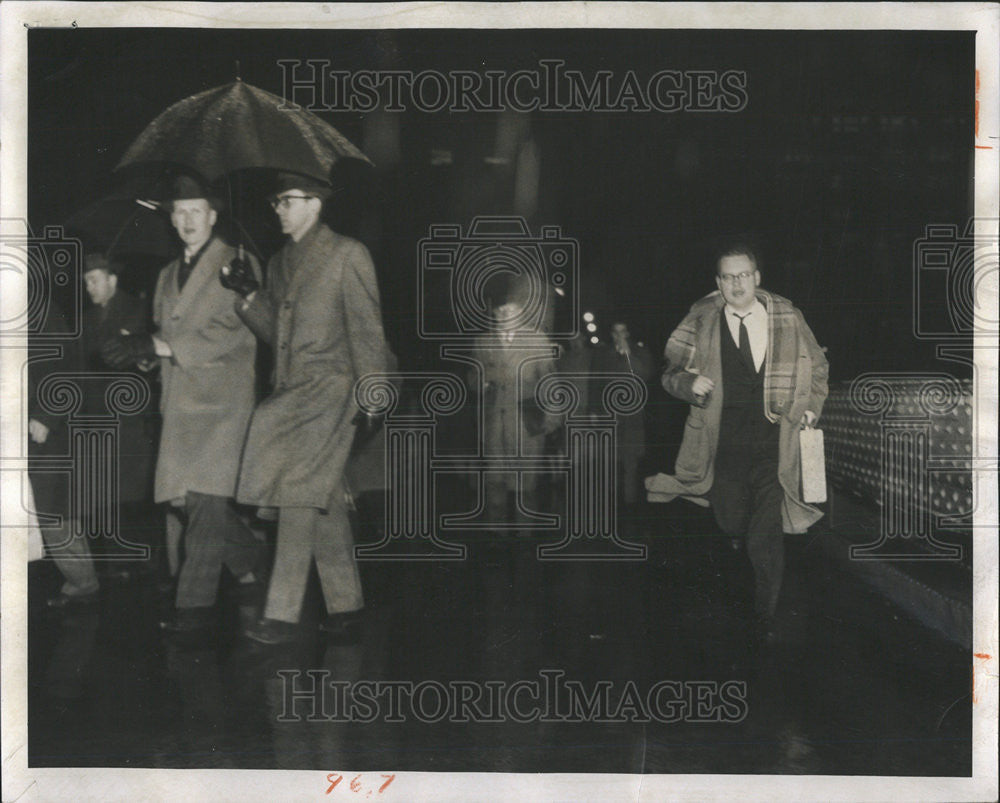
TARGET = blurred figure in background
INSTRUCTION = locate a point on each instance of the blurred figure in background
(512, 360)
(576, 358)
(623, 356)
(48, 437)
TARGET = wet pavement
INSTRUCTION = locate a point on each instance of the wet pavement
(849, 685)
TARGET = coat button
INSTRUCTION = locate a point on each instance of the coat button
(283, 346)
(287, 305)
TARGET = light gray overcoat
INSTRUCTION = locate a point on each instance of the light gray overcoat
(321, 314)
(208, 383)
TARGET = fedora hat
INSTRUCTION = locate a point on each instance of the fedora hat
(188, 188)
(286, 182)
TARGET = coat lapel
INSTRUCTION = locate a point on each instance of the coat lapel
(295, 263)
(203, 273)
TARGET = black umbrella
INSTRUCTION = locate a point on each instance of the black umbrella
(131, 224)
(239, 126)
(123, 228)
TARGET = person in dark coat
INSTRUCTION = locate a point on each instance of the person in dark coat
(206, 357)
(113, 312)
(321, 314)
(576, 359)
(623, 356)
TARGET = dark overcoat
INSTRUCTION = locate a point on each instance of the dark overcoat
(321, 314)
(135, 447)
(208, 383)
(631, 434)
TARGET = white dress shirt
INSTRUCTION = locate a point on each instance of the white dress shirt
(756, 324)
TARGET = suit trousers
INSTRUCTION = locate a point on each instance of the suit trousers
(214, 536)
(746, 500)
(304, 534)
(72, 558)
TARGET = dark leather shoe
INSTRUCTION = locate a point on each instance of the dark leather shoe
(63, 601)
(342, 628)
(272, 631)
(189, 620)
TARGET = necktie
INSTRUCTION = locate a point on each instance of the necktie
(745, 341)
(185, 272)
(188, 264)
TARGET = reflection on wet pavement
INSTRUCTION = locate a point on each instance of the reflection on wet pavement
(850, 687)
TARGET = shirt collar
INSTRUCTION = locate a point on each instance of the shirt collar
(193, 259)
(758, 310)
(306, 238)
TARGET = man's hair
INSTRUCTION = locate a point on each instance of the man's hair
(735, 248)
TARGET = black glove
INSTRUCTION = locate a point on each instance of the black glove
(238, 276)
(366, 425)
(124, 351)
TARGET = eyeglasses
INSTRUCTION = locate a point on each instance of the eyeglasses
(733, 278)
(285, 201)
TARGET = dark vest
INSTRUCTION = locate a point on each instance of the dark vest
(745, 434)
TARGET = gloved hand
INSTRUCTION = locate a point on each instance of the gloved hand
(238, 276)
(366, 425)
(124, 351)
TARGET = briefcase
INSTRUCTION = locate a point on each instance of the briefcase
(813, 465)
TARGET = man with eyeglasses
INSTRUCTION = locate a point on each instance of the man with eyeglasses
(754, 375)
(320, 312)
(206, 357)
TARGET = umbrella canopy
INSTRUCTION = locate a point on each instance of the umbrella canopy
(239, 126)
(132, 221)
(123, 227)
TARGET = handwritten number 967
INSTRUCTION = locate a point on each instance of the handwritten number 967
(335, 778)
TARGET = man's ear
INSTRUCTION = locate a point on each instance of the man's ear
(212, 217)
(113, 280)
(756, 278)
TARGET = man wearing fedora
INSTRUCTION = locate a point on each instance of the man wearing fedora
(321, 314)
(206, 357)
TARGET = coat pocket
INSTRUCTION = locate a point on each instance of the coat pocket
(692, 458)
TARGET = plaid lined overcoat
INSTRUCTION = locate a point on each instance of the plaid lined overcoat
(795, 380)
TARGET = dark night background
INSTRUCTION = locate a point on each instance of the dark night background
(851, 143)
